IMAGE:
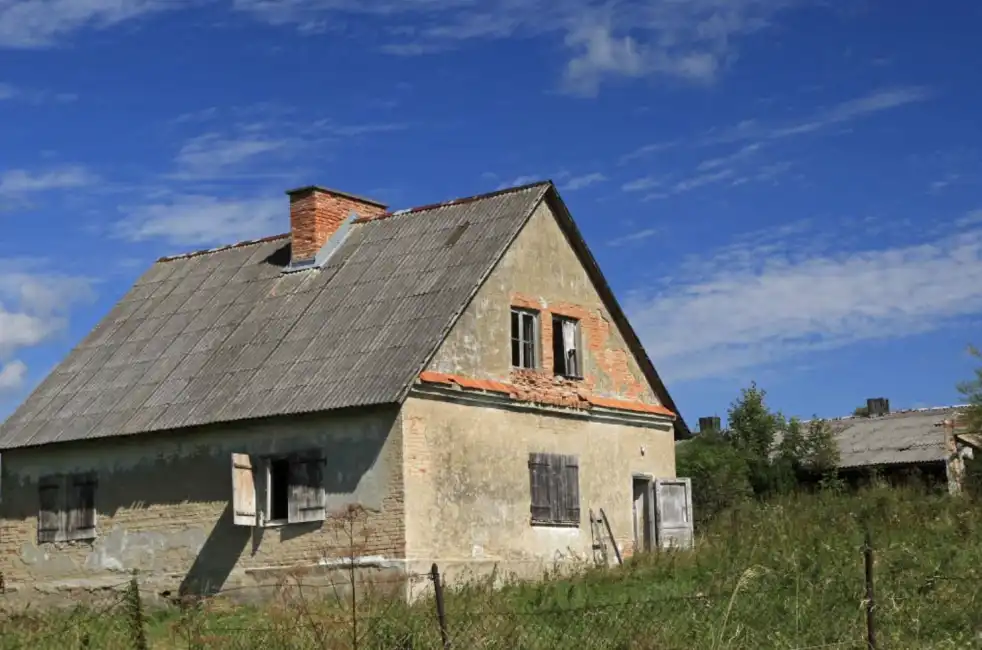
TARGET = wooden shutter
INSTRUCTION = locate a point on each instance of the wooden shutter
(673, 506)
(81, 507)
(51, 519)
(243, 490)
(540, 480)
(308, 499)
(571, 490)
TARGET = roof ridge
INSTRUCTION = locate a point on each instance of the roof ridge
(394, 213)
(457, 201)
(218, 249)
(911, 411)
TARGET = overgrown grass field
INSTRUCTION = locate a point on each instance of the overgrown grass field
(786, 574)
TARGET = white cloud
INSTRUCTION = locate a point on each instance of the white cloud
(19, 181)
(195, 220)
(34, 307)
(770, 299)
(640, 235)
(519, 180)
(876, 101)
(647, 150)
(642, 184)
(41, 23)
(8, 91)
(584, 180)
(12, 375)
(691, 40)
(211, 155)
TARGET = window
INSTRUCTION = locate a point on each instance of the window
(275, 490)
(566, 347)
(67, 508)
(524, 327)
(555, 484)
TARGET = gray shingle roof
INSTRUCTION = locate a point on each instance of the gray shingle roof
(904, 437)
(225, 335)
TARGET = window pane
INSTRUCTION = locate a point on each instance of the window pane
(558, 349)
(528, 338)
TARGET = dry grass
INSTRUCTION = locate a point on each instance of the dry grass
(788, 574)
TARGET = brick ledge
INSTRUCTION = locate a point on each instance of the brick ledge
(492, 386)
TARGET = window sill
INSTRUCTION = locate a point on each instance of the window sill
(275, 523)
(555, 524)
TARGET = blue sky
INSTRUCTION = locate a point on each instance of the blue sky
(778, 190)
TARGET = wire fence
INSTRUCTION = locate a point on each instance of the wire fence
(886, 604)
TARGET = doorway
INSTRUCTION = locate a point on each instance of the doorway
(642, 514)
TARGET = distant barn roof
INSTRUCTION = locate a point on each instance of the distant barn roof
(899, 438)
(225, 335)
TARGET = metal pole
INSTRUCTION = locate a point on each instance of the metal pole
(868, 561)
(441, 614)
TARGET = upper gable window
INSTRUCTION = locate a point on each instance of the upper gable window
(524, 329)
(566, 355)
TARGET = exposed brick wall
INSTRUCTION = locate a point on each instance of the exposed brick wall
(316, 214)
(541, 385)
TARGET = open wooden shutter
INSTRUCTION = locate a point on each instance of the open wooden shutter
(571, 490)
(51, 519)
(308, 499)
(539, 482)
(243, 491)
(673, 503)
(81, 507)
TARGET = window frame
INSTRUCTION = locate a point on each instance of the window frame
(516, 338)
(558, 476)
(252, 493)
(559, 319)
(72, 502)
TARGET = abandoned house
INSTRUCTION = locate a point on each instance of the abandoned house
(460, 372)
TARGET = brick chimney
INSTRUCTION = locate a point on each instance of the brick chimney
(316, 213)
(711, 423)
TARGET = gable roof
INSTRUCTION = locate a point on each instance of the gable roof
(224, 335)
(898, 438)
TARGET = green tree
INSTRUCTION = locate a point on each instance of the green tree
(718, 471)
(753, 428)
(792, 445)
(820, 451)
(972, 391)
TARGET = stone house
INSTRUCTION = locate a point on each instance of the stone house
(461, 372)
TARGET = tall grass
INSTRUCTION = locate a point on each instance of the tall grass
(786, 574)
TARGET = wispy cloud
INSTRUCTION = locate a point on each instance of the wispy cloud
(31, 24)
(584, 180)
(690, 41)
(771, 298)
(519, 180)
(198, 220)
(643, 184)
(876, 101)
(12, 375)
(211, 155)
(647, 150)
(634, 237)
(34, 306)
(18, 182)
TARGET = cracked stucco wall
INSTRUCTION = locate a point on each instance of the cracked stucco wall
(163, 505)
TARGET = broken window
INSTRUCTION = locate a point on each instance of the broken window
(274, 490)
(555, 486)
(524, 326)
(66, 508)
(566, 347)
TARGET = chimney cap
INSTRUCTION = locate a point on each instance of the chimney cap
(311, 189)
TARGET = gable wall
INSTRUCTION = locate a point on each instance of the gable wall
(164, 506)
(541, 271)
